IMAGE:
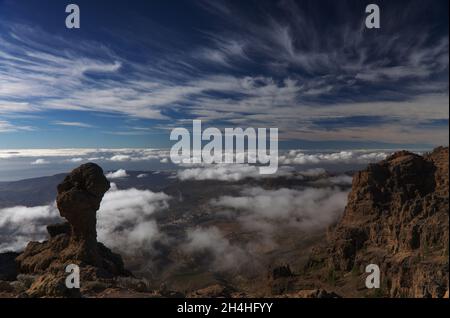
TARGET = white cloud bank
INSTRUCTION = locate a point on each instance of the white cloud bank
(121, 173)
(299, 157)
(225, 255)
(40, 162)
(288, 159)
(125, 218)
(266, 213)
(124, 221)
(20, 224)
(226, 172)
(92, 154)
(306, 209)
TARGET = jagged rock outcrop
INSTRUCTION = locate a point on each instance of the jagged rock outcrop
(78, 200)
(74, 242)
(397, 217)
(60, 228)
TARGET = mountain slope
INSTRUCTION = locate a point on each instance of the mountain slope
(397, 218)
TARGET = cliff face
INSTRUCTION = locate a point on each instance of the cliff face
(397, 217)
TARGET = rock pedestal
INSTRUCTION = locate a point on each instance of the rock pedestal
(78, 200)
(74, 242)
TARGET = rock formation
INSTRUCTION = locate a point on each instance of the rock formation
(397, 217)
(78, 200)
(75, 242)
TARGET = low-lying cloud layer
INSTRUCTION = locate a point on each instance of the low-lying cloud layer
(124, 220)
(266, 214)
(53, 161)
(162, 155)
(288, 159)
(87, 154)
(20, 224)
(299, 157)
(121, 173)
(266, 210)
(227, 172)
(127, 220)
(225, 255)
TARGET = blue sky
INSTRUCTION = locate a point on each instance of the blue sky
(135, 70)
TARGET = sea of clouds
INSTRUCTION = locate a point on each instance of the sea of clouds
(77, 155)
(16, 164)
(266, 214)
(126, 219)
(127, 223)
(307, 209)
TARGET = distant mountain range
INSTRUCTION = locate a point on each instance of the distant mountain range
(42, 190)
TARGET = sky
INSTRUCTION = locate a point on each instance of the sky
(135, 70)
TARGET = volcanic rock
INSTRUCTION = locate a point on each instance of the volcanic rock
(52, 285)
(74, 242)
(60, 228)
(397, 217)
(78, 200)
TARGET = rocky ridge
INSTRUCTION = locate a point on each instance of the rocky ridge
(397, 217)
